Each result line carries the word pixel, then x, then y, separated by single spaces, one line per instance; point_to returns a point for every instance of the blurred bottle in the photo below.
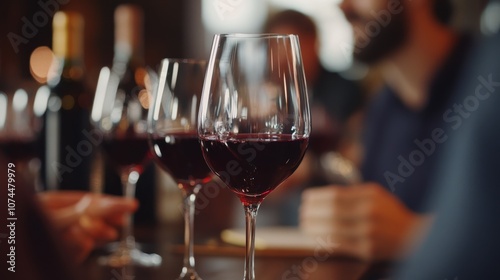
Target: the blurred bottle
pixel 135 82
pixel 68 143
pixel 128 60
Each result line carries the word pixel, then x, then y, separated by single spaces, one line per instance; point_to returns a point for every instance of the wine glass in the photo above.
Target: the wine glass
pixel 119 113
pixel 20 130
pixel 254 120
pixel 172 125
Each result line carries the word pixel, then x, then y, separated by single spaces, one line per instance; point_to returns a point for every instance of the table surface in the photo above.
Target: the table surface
pixel 216 260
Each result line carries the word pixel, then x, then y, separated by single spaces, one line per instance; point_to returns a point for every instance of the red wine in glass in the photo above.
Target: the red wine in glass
pixel 180 155
pixel 19 149
pixel 127 152
pixel 253 165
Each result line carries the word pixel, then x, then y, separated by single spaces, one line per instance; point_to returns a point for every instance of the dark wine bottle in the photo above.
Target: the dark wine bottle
pixel 68 142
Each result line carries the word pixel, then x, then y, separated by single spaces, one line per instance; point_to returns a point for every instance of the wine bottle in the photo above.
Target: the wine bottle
pixel 134 84
pixel 68 142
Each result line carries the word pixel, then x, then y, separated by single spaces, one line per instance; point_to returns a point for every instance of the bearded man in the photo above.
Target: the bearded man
pixel 405 129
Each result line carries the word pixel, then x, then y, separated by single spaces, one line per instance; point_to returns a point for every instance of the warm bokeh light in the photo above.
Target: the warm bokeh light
pixel 41 63
pixel 68 102
pixel 139 76
pixel 144 98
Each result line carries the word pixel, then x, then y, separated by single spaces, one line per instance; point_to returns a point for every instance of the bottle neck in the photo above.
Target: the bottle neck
pixel 67 69
pixel 67 45
pixel 129 51
pixel 127 58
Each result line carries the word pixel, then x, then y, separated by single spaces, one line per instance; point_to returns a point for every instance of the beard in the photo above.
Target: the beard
pixel 377 37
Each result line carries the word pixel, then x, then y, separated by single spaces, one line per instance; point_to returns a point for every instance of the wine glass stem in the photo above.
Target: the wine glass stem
pixel 189 208
pixel 250 216
pixel 129 181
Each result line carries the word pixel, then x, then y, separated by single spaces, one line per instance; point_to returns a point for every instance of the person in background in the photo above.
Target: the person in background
pixel 333 100
pixel 419 57
pixel 463 241
pixel 328 90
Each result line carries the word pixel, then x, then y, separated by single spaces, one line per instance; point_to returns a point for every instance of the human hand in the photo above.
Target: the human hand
pixel 365 221
pixel 86 220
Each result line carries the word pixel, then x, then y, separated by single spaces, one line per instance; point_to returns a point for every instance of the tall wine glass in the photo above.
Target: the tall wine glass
pixel 172 123
pixel 254 120
pixel 120 114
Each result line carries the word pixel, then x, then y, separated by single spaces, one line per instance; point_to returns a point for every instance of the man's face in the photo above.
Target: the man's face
pixel 380 27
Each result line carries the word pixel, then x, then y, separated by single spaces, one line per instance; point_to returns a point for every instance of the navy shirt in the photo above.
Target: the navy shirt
pixel 463 242
pixel 402 144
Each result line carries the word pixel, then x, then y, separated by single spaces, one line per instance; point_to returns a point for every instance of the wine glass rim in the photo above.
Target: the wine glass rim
pixel 185 60
pixel 256 35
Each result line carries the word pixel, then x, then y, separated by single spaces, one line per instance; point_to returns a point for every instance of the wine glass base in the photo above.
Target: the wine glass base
pixel 189 275
pixel 114 246
pixel 133 257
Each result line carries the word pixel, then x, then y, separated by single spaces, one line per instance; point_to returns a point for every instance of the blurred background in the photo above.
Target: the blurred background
pixel 179 29
pixel 182 29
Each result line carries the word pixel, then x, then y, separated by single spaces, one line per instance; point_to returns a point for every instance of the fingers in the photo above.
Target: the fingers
pixel 335 203
pixel 367 221
pixel 93 204
pixel 60 199
pixel 107 206
pixel 86 220
pixel 339 194
pixel 117 220
pixel 344 214
pixel 98 229
pixel 79 243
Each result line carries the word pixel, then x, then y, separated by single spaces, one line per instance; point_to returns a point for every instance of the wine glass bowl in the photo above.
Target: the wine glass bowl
pixel 254 120
pixel 20 130
pixel 120 114
pixel 172 125
pixel 173 121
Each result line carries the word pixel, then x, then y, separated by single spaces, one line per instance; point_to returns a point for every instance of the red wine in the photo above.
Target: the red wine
pixel 180 155
pixel 19 149
pixel 252 165
pixel 127 152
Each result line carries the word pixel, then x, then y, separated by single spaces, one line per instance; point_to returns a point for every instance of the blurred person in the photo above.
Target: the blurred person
pixel 419 58
pixel 85 220
pixel 333 98
pixel 29 246
pixel 54 231
pixel 333 101
pixel 328 90
pixel 463 241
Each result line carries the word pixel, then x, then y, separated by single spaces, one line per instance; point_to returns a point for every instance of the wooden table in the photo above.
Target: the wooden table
pixel 218 261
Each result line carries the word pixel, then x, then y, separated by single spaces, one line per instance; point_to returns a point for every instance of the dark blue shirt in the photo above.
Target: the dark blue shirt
pixel 402 144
